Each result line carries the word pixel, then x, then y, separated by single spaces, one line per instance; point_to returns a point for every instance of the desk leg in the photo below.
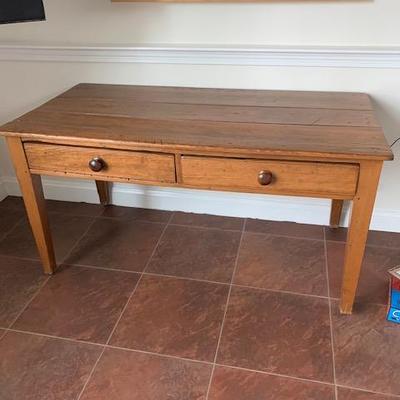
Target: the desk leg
pixel 32 192
pixel 103 189
pixel 363 204
pixel 336 213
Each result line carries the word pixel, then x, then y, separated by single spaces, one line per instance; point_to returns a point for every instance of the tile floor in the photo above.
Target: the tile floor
pixel 154 305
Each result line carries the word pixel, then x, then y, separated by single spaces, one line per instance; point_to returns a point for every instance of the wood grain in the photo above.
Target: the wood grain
pixel 241 97
pixel 103 190
pixel 255 123
pixel 361 213
pixel 318 144
pixel 336 213
pixel 31 188
pixel 294 178
pixel 211 112
pixel 73 161
pixel 218 137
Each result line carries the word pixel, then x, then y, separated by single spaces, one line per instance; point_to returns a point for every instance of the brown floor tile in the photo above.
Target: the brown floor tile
pixel 277 332
pixel 282 263
pixel 374 280
pixel 365 352
pixel 79 303
pixel 285 228
pixel 388 239
pixel 74 208
pixel 143 214
pixel 352 394
pixel 35 367
pixel 19 281
pixel 13 202
pixel 67 207
pixel 173 316
pixel 66 229
pixel 128 375
pixel 336 234
pixel 9 218
pixel 207 221
pixel 375 238
pixel 234 384
pixel 112 243
pixel 199 253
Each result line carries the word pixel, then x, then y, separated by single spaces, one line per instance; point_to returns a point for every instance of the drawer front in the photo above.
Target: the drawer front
pixel 270 176
pixel 114 164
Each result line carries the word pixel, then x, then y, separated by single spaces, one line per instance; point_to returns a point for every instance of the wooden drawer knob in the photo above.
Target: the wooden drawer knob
pixel 96 164
pixel 265 177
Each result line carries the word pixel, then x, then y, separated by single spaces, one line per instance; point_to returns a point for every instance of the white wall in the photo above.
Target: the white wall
pixel 277 22
pixel 77 23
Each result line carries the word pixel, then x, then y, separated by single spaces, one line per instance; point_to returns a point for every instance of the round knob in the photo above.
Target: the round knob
pixel 96 164
pixel 265 177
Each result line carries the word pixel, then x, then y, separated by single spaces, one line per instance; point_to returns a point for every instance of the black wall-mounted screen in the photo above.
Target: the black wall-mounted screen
pixel 21 11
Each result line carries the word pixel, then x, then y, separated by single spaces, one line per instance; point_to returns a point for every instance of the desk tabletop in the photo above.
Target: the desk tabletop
pixel 251 122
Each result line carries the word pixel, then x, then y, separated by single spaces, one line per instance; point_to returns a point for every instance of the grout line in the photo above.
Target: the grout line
pixel 193 360
pixel 187 278
pixel 324 227
pixel 285 236
pixel 91 373
pixel 281 291
pixel 159 354
pixel 128 219
pixel 29 301
pixel 330 315
pixel 12 229
pixel 3 334
pixel 225 311
pixel 103 268
pixel 122 312
pixel 169 223
pixel 231 284
pixel 78 241
pixel 366 245
pixel 276 374
pixel 107 346
pixel 158 243
pixel 244 225
pixel 205 281
pixel 108 340
pixel 191 279
pixel 22 258
pixel 80 341
pixel 394 396
pixel 206 227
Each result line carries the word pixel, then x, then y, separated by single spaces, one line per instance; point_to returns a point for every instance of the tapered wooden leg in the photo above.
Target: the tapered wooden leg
pixel 32 192
pixel 103 190
pixel 336 213
pixel 361 213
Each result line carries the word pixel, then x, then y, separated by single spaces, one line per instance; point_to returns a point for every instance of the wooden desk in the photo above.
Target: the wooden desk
pixel 272 142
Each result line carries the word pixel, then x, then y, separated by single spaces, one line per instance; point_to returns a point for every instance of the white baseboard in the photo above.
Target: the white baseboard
pixel 3 192
pixel 276 208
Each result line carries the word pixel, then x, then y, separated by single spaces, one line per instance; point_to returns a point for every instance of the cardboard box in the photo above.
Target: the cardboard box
pixel 394 295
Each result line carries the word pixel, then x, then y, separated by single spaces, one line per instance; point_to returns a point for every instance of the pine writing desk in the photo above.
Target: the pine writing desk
pixel 313 144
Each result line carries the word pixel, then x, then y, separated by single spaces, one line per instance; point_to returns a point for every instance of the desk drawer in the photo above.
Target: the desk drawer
pixel 270 176
pixel 107 164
